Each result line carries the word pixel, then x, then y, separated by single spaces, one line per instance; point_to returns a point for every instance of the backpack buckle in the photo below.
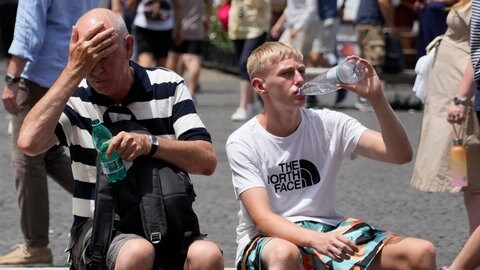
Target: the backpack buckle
pixel 155 237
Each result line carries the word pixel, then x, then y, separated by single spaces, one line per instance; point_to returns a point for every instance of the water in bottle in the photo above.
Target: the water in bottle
pixel 347 72
pixel 458 159
pixel 112 167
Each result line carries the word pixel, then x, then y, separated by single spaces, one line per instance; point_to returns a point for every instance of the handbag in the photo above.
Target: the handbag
pixel 422 69
pixel 222 15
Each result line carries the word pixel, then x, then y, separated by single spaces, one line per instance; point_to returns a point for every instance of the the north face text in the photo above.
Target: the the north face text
pixel 294 175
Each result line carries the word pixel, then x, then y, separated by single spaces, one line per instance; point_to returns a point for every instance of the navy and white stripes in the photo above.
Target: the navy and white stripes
pixel 475 39
pixel 160 102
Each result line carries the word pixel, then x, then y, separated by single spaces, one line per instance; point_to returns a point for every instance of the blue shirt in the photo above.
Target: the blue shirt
pixel 327 9
pixel 42 36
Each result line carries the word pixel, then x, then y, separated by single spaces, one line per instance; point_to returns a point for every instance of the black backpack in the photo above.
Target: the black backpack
pixel 154 201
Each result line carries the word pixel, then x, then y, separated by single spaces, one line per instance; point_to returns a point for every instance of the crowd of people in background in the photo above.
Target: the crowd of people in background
pixel 169 36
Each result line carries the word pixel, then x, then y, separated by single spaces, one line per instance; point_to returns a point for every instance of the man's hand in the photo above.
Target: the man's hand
pixel 129 145
pixel 9 97
pixel 87 50
pixel 369 86
pixel 335 246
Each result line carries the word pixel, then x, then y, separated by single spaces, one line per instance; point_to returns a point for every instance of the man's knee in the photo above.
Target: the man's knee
pixel 203 254
pixel 407 253
pixel 422 255
pixel 135 254
pixel 281 252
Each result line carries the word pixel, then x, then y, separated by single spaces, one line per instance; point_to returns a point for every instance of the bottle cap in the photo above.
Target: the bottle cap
pixel 458 141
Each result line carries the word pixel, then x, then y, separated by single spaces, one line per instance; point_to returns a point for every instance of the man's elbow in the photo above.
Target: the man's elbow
pixel 209 167
pixel 27 146
pixel 404 157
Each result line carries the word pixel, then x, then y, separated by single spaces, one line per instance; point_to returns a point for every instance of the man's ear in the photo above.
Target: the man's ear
pixel 128 43
pixel 258 85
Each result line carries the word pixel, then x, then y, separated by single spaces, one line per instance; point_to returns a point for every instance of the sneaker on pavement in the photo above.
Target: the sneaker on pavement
pixel 239 115
pixel 20 256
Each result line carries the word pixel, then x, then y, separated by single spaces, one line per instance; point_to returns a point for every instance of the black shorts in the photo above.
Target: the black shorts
pixel 155 42
pixel 7 25
pixel 189 46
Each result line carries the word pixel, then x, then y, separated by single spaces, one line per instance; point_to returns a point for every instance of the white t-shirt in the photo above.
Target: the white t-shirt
pixel 298 171
pixel 166 11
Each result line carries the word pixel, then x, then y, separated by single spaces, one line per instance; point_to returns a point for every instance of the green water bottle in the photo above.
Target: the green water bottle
pixel 112 167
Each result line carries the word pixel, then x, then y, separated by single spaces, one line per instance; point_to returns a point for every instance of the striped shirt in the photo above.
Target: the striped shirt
pixel 475 38
pixel 475 49
pixel 159 100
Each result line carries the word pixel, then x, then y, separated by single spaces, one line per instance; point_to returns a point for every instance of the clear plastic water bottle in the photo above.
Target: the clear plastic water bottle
pixel 346 72
pixel 112 167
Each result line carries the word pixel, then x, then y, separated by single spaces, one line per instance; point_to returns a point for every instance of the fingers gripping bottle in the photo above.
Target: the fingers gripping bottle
pixel 112 167
pixel 346 72
pixel 458 159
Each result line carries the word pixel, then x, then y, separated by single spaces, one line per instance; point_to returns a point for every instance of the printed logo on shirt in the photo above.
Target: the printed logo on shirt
pixel 294 175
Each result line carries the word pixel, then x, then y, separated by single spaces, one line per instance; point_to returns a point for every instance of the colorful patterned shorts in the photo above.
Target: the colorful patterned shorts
pixel 368 240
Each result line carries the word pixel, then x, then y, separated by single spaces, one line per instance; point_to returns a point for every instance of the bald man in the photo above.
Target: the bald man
pixel 99 75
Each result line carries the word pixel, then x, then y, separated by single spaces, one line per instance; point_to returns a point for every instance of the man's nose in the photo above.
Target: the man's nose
pixel 299 77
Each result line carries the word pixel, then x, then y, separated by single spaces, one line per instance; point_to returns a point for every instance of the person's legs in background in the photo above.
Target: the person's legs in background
pixel 247 106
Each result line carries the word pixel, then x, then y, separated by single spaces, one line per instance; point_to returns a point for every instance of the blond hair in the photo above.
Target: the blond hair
pixel 270 53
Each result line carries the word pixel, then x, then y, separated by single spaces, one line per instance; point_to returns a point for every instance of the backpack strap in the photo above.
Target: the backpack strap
pixel 152 207
pixel 102 223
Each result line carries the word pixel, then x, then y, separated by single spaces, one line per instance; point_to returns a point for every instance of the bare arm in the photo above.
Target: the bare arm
pixel 268 223
pixel 391 144
pixel 465 91
pixel 388 14
pixel 37 132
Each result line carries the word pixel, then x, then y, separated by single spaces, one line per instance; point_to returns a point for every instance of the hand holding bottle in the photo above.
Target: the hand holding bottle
pixel 369 85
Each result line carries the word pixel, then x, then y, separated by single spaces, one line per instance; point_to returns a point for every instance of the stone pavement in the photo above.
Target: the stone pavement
pixel 369 190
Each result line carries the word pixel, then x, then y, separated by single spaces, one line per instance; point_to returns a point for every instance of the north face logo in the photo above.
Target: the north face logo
pixel 294 175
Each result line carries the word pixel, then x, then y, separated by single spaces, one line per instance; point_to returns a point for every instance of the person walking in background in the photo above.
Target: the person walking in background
pixel 127 9
pixel 188 54
pixel 284 165
pixel 469 257
pixel 373 18
pixel 158 26
pixel 432 171
pixel 324 52
pixel 432 22
pixel 39 52
pixel 278 6
pixel 99 71
pixel 248 24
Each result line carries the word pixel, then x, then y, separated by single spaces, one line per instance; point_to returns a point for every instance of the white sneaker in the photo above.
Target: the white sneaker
pixel 239 115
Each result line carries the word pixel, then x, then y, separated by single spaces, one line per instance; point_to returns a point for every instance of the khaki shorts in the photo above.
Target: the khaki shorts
pixel 372 43
pixel 82 242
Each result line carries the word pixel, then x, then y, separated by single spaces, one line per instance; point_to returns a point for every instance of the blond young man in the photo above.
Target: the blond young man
pixel 284 163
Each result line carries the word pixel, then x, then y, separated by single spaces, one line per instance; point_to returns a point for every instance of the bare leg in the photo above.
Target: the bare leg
pixel 193 65
pixel 145 59
pixel 406 253
pixel 472 204
pixel 468 258
pixel 135 254
pixel 203 254
pixel 281 254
